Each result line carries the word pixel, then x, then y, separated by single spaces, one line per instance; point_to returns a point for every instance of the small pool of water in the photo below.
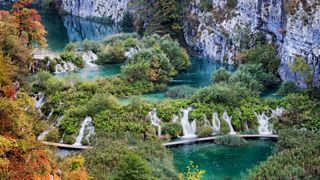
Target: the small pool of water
pixel 220 161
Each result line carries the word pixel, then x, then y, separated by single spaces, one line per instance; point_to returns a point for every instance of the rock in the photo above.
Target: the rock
pixel 96 8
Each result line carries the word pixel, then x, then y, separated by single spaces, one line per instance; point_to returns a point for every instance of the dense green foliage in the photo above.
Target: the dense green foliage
pixel 119 155
pixel 297 156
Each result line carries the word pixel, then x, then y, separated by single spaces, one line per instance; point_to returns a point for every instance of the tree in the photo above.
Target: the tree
pixel 29 24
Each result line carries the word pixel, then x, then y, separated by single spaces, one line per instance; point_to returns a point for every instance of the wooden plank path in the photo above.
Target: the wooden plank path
pixel 188 141
pixel 167 144
pixel 40 54
pixel 66 146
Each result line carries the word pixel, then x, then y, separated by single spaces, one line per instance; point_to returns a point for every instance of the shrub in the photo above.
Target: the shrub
pixel 127 20
pixel 133 167
pixel 100 102
pixel 222 75
pixel 297 156
pixel 222 93
pixel 224 127
pixel 288 87
pixel 206 5
pixel 173 129
pixel 230 140
pixel 231 4
pixel 149 64
pixel 182 91
pixel 53 135
pixel 263 54
pixel 112 54
pixel 89 45
pixel 204 131
pixel 71 57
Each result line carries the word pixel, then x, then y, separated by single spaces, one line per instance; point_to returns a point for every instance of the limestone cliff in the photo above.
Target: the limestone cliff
pixel 214 28
pixel 295 28
pixel 96 8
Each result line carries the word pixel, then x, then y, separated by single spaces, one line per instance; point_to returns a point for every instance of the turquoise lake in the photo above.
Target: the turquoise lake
pixel 223 162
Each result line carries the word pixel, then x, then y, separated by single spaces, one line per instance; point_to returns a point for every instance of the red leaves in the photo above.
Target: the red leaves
pixel 10 92
pixel 28 21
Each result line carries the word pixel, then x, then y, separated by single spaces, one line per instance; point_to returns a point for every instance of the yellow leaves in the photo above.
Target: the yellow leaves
pixel 193 173
pixel 73 168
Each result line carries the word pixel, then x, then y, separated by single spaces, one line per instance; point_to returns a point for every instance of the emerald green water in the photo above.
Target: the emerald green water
pixel 220 161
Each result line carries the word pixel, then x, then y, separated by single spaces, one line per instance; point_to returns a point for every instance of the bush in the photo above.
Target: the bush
pixel 149 64
pixel 204 131
pixel 53 135
pixel 231 4
pixel 183 91
pixel 263 54
pixel 222 75
pixel 288 87
pixel 173 129
pixel 71 57
pixel 297 156
pixel 226 94
pixel 111 54
pixel 127 20
pixel 100 102
pixel 89 45
pixel 230 140
pixel 133 167
pixel 224 127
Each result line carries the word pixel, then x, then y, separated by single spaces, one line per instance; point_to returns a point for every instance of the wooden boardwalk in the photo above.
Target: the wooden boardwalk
pixel 40 54
pixel 66 146
pixel 195 140
pixel 167 144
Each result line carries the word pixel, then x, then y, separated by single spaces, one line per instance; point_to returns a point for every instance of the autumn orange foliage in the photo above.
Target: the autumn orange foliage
pixel 29 22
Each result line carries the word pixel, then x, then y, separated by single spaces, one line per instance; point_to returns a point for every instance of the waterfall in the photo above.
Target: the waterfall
pixel 86 121
pixel 132 51
pixel 189 129
pixel 175 118
pixel 67 66
pixel 89 57
pixel 90 133
pixel 228 119
pixel 264 127
pixel 40 100
pixel 43 135
pixel 155 120
pixel 216 124
pixel 278 112
pixel 59 68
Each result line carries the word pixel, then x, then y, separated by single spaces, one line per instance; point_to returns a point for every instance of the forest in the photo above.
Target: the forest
pixel 120 120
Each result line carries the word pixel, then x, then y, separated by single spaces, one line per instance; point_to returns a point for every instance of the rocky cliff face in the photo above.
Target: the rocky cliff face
pixel 96 8
pixel 215 32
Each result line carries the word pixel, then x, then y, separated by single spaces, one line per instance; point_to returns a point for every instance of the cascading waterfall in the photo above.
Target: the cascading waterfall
pixel 67 66
pixel 86 122
pixel 40 100
pixel 216 124
pixel 132 51
pixel 89 57
pixel 90 133
pixel 228 119
pixel 155 120
pixel 278 112
pixel 43 135
pixel 264 127
pixel 189 129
